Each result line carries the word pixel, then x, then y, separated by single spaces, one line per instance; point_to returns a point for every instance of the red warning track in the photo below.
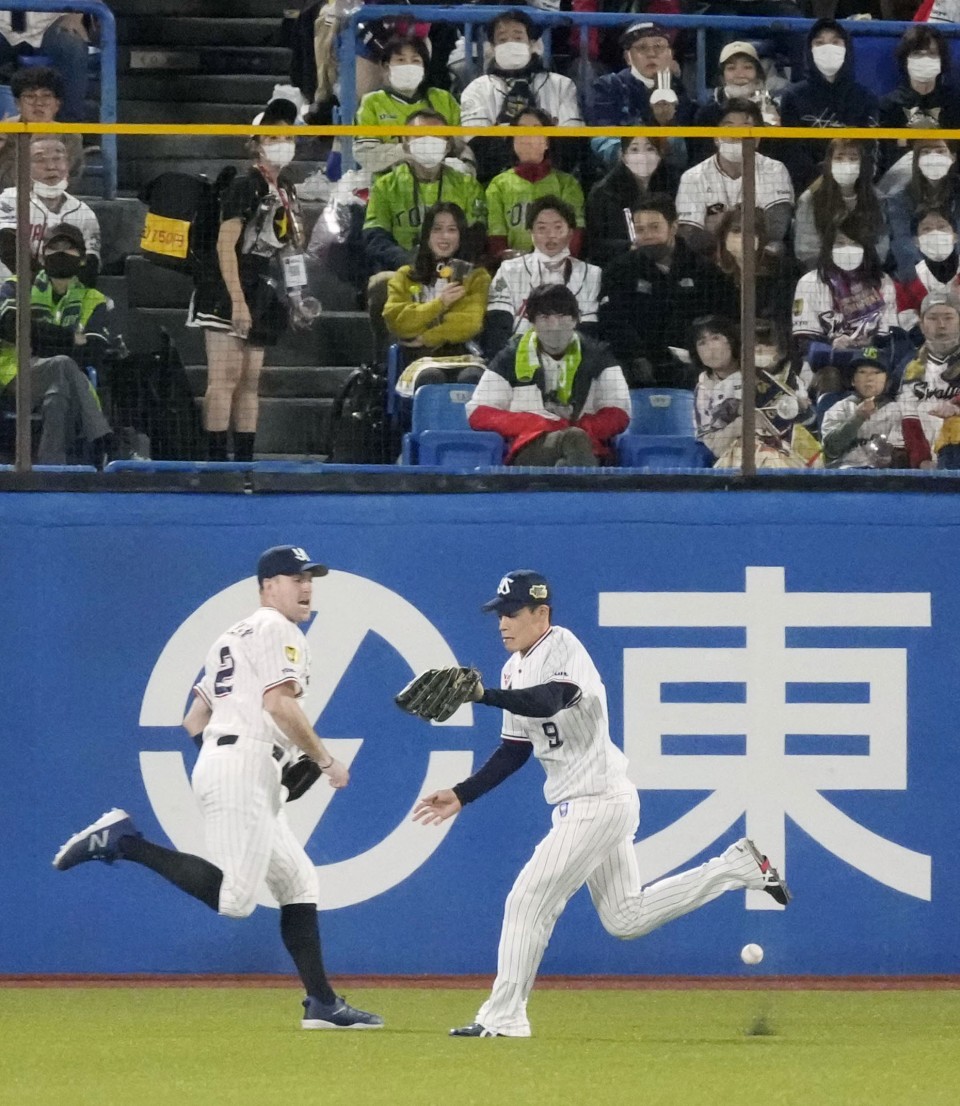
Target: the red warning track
pixel 556 982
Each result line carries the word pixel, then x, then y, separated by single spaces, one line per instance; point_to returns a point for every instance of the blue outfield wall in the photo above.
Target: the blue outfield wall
pixel 780 663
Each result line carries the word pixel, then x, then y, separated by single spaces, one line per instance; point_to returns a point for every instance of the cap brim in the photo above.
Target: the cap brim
pixel 503 606
pixel 315 569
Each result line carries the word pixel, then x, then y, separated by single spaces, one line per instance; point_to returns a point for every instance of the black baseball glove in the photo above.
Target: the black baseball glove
pixel 300 776
pixel 439 692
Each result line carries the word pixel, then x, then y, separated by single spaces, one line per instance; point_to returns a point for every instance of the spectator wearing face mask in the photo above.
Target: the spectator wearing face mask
pixel 556 396
pixel 847 302
pixel 718 395
pixel 237 301
pixel 828 96
pixel 68 328
pixel 844 188
pixel 50 204
pixel 400 198
pixel 405 91
pixel 647 92
pixel 552 225
pixel 510 194
pixel 715 186
pixel 933 184
pixel 514 81
pixel 741 77
pixel 638 173
pixel 38 92
pixel 937 269
pixel 924 97
pixel 650 295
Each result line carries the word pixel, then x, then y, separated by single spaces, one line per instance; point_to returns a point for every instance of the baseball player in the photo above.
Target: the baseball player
pixel 249 727
pixel 555 706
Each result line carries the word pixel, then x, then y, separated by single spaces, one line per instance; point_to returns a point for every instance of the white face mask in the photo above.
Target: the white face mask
pixel 764 359
pixel 923 68
pixel 845 172
pixel 512 55
pixel 555 332
pixel 50 191
pixel 642 163
pixel 847 258
pixel 406 78
pixel 555 261
pixel 279 153
pixel 740 91
pixel 428 152
pixel 937 244
pixel 731 151
pixel 829 58
pixel 934 166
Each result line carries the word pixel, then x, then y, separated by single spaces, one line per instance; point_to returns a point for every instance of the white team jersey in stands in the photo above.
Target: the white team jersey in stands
pixel 518 276
pixel 483 99
pixel 706 190
pixel 260 652
pixel 74 211
pixel 574 745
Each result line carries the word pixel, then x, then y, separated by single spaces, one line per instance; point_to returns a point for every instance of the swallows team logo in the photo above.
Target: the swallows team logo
pixel 350 608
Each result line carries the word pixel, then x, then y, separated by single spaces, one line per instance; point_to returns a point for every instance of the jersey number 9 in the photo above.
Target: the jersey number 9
pixel 551 732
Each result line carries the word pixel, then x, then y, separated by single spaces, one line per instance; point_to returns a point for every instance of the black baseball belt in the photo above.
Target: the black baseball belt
pixel 232 738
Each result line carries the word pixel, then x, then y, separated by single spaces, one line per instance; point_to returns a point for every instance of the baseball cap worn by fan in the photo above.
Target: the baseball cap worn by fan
pixel 287 560
pixel 734 48
pixel 518 589
pixel 278 113
pixel 636 31
pixel 939 299
pixel 65 232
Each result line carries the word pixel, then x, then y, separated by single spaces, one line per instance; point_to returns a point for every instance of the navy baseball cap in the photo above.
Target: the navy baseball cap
pixel 287 560
pixel 520 588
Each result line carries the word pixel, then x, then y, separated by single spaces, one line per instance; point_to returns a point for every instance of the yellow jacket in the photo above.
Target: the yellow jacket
pixel 406 317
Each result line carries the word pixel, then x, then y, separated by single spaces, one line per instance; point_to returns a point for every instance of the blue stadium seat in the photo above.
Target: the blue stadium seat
pixel 661 411
pixel 441 435
pixel 661 451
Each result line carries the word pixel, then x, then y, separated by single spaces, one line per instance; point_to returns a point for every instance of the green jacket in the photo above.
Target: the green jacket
pixel 509 196
pixel 54 322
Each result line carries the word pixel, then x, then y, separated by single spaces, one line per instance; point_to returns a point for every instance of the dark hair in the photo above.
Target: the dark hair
pixel 551 203
pixel 543 118
pixel 426 113
pixel 513 16
pixel 552 299
pixel 42 76
pixel 395 44
pixel 766 332
pixel 731 222
pixel 919 37
pixel 871 271
pixel 659 144
pixel 928 193
pixel 829 207
pixel 744 107
pixel 424 267
pixel 713 324
pixel 922 212
pixel 660 202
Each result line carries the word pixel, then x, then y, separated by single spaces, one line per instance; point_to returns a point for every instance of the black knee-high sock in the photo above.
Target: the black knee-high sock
pixel 243 445
pixel 193 874
pixel 301 935
pixel 217 445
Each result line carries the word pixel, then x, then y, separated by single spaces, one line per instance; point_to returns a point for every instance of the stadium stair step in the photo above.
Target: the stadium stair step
pixel 251 60
pixel 198 88
pixel 163 111
pixel 182 33
pixel 203 9
pixel 285 381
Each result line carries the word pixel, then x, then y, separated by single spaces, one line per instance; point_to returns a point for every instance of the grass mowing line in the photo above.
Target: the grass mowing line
pixel 186 1047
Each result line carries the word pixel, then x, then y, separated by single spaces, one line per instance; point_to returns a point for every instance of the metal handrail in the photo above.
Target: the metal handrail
pixel 108 69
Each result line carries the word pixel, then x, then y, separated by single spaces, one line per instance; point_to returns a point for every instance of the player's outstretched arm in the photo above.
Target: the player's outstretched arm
pixel 433 809
pixel 281 704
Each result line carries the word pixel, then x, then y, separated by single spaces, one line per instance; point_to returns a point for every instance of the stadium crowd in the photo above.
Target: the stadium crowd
pixel 558 274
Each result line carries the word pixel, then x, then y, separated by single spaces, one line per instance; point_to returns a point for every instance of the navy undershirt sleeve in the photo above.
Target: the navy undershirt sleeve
pixel 542 701
pixel 507 758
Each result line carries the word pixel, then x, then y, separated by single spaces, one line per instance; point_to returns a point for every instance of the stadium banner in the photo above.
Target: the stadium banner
pixel 780 664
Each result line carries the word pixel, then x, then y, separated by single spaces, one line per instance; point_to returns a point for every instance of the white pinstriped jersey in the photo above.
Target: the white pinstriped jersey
pixel 259 653
pixel 574 745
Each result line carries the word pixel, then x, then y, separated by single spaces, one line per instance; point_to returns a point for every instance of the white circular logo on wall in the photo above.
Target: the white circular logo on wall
pixel 348 608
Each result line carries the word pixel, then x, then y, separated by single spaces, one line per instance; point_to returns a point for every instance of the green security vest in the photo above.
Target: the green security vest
pixel 73 309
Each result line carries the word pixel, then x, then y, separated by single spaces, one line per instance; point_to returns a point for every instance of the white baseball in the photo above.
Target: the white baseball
pixel 751 954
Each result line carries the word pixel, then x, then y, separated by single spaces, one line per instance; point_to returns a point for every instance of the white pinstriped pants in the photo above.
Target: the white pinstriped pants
pixel 592 842
pixel 247 833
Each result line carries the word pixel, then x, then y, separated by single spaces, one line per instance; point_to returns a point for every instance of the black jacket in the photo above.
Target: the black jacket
pixel 644 310
pixel 903 107
pixel 817 102
pixel 607 234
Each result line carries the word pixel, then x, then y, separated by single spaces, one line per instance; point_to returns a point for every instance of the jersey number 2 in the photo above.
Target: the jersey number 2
pixel 223 682
pixel 551 732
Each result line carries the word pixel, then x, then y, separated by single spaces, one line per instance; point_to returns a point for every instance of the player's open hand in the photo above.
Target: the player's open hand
pixel 436 808
pixel 338 774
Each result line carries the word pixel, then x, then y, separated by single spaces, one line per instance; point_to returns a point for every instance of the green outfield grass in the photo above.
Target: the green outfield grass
pixel 222 1046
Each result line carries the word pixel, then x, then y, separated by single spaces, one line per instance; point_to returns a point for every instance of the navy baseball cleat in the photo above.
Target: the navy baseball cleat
pixel 474 1029
pixel 336 1015
pixel 99 841
pixel 774 885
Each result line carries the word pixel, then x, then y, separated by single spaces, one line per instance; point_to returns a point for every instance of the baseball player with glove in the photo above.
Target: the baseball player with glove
pixel 555 707
pixel 257 751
